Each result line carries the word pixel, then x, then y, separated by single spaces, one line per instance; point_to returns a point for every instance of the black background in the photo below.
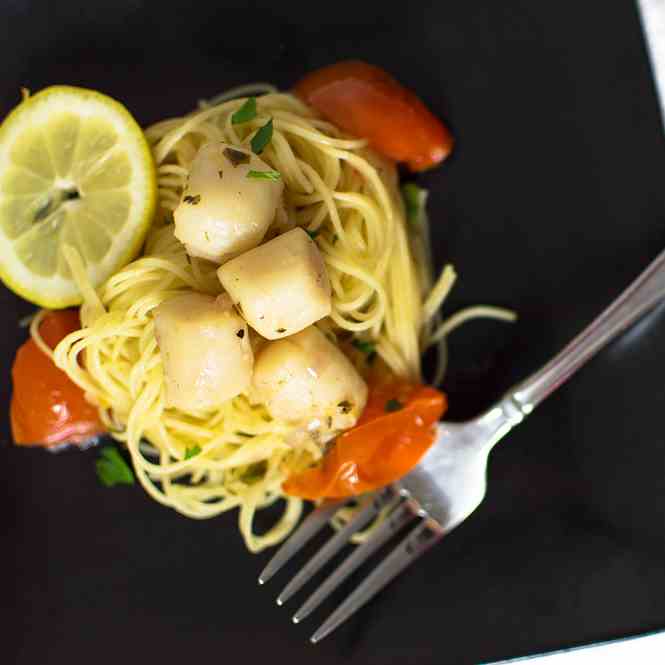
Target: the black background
pixel 553 201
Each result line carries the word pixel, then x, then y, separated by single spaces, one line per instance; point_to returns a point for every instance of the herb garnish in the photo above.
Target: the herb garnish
pixel 246 112
pixel 112 468
pixel 192 452
pixel 312 234
pixel 366 347
pixel 193 200
pixel 236 157
pixel 393 405
pixel 414 200
pixel 262 138
pixel 264 175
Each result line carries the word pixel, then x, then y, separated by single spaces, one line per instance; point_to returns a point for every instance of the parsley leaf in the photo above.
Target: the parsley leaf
pixel 192 452
pixel 264 175
pixel 393 405
pixel 312 234
pixel 246 112
pixel 364 346
pixel 262 138
pixel 415 199
pixel 112 468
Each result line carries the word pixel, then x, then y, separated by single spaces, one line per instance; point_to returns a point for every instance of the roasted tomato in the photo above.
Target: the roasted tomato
pixel 366 101
pixel 395 430
pixel 47 408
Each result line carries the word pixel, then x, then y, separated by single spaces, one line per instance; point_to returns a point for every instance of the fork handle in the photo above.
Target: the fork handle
pixel 641 296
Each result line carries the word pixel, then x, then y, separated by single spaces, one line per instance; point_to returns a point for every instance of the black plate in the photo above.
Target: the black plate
pixel 553 202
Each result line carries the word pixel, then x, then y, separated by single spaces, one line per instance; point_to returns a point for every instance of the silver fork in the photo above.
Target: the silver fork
pixel 450 481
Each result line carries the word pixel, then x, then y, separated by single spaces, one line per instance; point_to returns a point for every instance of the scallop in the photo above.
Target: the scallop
pixel 224 211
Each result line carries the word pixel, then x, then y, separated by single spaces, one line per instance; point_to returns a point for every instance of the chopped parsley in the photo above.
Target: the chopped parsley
pixel 366 347
pixel 264 175
pixel 415 199
pixel 393 405
pixel 192 452
pixel 262 138
pixel 312 234
pixel 236 157
pixel 112 468
pixel 245 113
pixel 245 434
pixel 192 200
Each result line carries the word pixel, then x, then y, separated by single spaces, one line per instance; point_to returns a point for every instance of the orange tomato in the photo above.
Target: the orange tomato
pixel 366 101
pixel 47 408
pixel 392 435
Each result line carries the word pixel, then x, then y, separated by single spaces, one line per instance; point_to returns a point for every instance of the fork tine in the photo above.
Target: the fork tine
pixel 416 543
pixel 369 508
pixel 313 523
pixel 400 517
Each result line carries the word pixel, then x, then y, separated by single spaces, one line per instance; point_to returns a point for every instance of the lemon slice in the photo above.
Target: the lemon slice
pixel 75 170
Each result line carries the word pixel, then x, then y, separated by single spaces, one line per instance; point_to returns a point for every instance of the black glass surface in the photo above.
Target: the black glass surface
pixel 553 201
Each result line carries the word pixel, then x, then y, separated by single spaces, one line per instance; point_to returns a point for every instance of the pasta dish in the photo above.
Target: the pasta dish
pixel 263 340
